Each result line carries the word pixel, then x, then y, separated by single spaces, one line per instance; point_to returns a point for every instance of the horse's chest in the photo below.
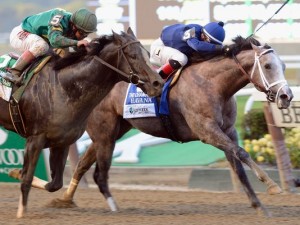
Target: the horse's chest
pixel 64 135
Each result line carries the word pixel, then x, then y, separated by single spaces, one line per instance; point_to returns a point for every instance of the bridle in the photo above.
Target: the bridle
pixel 132 77
pixel 271 96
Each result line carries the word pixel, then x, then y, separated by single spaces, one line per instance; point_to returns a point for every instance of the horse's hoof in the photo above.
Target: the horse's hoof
pixel 262 211
pixel 15 173
pixel 61 203
pixel 297 182
pixel 112 204
pixel 274 189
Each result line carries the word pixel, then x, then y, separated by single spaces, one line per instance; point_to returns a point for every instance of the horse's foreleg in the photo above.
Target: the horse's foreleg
pixel 58 158
pixel 272 187
pixel 33 149
pixel 239 170
pixel 215 136
pixel 104 158
pixel 241 174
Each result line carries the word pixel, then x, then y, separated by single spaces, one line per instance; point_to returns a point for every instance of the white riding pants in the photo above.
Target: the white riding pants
pixel 161 54
pixel 23 40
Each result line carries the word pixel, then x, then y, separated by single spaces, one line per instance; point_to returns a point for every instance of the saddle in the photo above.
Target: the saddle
pixel 175 77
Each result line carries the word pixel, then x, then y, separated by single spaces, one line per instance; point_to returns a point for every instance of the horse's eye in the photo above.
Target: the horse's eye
pixel 268 66
pixel 133 56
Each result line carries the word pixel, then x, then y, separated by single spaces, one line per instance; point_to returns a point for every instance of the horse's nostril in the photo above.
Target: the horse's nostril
pixel 156 84
pixel 283 96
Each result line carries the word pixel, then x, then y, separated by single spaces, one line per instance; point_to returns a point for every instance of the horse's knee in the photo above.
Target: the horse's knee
pixel 52 186
pixel 242 154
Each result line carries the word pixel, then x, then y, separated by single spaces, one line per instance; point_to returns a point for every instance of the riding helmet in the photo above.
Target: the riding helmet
pixel 84 20
pixel 215 32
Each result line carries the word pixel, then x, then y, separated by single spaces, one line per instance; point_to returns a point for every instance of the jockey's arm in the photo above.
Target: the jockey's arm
pixel 202 46
pixel 57 40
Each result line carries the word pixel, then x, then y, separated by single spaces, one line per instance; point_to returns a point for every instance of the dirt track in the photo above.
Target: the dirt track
pixel 151 207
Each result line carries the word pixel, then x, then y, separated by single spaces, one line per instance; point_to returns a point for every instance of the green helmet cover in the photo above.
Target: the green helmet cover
pixel 84 20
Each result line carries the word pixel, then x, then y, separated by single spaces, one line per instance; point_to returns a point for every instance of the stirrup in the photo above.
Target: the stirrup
pixel 17 80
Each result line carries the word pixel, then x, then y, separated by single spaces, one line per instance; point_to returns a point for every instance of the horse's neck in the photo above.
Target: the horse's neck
pixel 224 75
pixel 235 78
pixel 90 82
pixel 244 66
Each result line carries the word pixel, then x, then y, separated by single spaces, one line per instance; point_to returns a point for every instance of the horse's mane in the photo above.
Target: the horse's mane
pixel 239 44
pixel 96 45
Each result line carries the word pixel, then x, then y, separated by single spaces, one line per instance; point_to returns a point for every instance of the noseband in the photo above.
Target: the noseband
pixel 271 96
pixel 132 77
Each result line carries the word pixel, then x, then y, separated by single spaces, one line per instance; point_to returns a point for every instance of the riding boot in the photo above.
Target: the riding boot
pixel 13 75
pixel 166 70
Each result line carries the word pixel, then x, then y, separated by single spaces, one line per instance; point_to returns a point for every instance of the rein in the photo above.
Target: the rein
pixel 266 85
pixel 132 77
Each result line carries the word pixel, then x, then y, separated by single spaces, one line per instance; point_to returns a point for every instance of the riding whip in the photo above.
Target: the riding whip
pixel 270 18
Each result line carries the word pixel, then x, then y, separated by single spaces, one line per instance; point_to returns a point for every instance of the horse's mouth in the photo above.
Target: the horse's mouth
pixel 284 99
pixel 283 102
pixel 153 90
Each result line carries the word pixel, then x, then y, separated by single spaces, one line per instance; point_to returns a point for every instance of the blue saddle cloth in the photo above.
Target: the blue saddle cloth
pixel 137 104
pixel 164 104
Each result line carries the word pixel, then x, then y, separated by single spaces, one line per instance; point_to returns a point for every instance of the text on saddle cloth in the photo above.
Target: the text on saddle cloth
pixel 137 104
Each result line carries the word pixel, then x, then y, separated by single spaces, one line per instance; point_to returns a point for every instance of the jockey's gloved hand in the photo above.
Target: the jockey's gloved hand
pixel 226 50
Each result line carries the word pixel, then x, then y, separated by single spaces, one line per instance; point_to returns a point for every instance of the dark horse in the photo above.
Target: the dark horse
pixel 202 106
pixel 58 100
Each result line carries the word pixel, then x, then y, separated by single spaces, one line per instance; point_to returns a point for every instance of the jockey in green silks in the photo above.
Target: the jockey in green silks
pixel 55 28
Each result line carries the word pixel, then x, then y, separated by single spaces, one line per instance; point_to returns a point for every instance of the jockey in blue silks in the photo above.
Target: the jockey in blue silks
pixel 178 41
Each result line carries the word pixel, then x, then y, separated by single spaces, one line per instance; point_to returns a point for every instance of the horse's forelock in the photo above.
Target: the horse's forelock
pixel 97 44
pixel 123 38
pixel 240 44
pixel 266 46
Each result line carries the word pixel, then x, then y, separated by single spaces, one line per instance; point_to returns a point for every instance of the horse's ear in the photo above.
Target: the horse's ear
pixel 253 45
pixel 116 36
pixel 130 31
pixel 256 48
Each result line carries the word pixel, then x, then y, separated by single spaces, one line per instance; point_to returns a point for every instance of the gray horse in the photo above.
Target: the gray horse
pixel 202 106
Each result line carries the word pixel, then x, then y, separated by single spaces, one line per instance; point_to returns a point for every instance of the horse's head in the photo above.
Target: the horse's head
pixel 265 70
pixel 268 76
pixel 131 60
